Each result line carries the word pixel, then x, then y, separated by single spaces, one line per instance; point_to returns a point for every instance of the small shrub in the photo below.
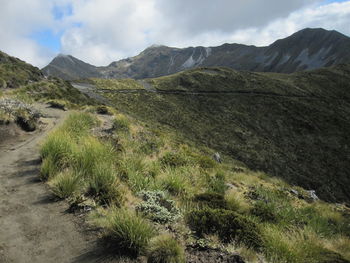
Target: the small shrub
pixel 266 211
pixel 165 249
pixel 102 109
pixel 130 232
pixel 57 104
pixel 211 200
pixel 173 159
pixel 205 162
pixel 217 183
pixel 227 224
pixel 65 184
pixel 157 208
pixel 27 123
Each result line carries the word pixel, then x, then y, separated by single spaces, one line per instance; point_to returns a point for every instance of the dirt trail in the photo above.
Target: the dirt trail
pixel 34 227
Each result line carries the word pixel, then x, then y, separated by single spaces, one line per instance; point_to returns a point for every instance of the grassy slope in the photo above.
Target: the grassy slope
pixel 291 126
pixel 186 191
pixel 14 72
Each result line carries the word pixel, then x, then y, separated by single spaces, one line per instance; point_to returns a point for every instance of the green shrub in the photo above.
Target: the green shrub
pixel 217 183
pixel 129 231
pixel 104 185
pixel 211 200
pixel 157 208
pixel 227 224
pixel 173 159
pixel 102 109
pixel 57 104
pixel 205 162
pixel 266 211
pixel 165 249
pixel 65 184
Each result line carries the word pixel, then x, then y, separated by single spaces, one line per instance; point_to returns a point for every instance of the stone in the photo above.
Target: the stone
pixel 217 157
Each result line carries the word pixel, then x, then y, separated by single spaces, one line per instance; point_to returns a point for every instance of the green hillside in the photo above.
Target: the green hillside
pixel 291 126
pixel 15 72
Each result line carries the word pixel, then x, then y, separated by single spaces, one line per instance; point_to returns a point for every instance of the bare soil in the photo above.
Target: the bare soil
pixel 34 227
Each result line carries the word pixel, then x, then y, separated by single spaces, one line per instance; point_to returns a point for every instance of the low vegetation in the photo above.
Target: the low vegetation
pixel 146 183
pixel 165 249
pixel 289 126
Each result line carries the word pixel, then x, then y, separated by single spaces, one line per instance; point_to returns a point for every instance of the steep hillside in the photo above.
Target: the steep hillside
pixel 291 126
pixel 306 49
pixel 15 72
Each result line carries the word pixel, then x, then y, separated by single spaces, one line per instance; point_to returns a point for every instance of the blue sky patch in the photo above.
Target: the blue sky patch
pixel 48 39
pixel 60 12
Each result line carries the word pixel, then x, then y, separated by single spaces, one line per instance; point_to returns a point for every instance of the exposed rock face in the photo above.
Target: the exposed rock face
pixel 306 49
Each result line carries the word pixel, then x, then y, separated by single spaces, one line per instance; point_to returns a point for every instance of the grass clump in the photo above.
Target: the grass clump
pixel 121 123
pixel 173 180
pixel 217 183
pixel 92 152
pixel 229 225
pixel 129 231
pixel 157 207
pixel 297 245
pixel 65 184
pixel 79 124
pixel 105 186
pixel 174 159
pixel 165 249
pixel 57 152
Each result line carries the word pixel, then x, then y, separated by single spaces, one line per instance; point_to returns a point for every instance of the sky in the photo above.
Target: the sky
pixel 102 31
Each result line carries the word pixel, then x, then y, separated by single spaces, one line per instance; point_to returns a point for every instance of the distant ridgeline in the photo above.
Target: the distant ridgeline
pixel 306 49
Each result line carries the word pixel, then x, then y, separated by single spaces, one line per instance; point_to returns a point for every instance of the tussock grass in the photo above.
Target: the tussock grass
pixel 296 245
pixel 66 184
pixel 165 249
pixel 175 182
pixel 105 186
pixel 129 231
pixel 92 152
pixel 57 152
pixel 250 210
pixel 121 123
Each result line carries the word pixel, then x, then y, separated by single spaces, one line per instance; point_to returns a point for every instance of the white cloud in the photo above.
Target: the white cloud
pixel 102 31
pixel 18 20
pixel 335 16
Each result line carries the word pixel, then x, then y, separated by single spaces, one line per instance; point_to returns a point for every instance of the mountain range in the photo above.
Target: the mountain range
pixel 304 50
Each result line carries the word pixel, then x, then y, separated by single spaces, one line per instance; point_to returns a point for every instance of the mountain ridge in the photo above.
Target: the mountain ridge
pixel 306 49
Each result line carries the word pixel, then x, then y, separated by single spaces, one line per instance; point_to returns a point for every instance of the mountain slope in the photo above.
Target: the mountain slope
pixel 69 68
pixel 290 126
pixel 15 72
pixel 306 49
